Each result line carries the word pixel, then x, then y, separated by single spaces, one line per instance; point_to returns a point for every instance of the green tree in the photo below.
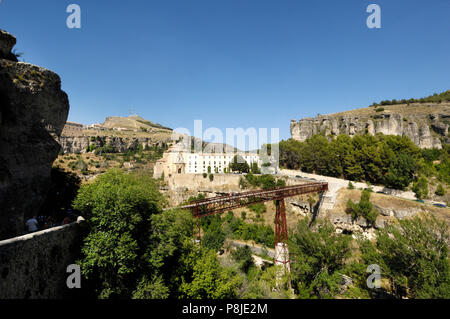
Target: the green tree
pixel 214 239
pixel 239 165
pixel 267 284
pixel 317 259
pixel 255 169
pixel 420 188
pixel 132 247
pixel 210 280
pixel 362 209
pixel 243 256
pixel 413 255
pixel 440 191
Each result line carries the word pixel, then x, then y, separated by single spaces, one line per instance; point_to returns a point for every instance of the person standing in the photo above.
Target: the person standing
pixel 32 224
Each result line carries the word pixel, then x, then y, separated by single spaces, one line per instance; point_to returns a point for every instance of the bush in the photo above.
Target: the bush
pixel 129 236
pixel 213 239
pixel 350 185
pixel 239 165
pixel 211 177
pixel 362 209
pixel 243 255
pixel 420 188
pixel 413 256
pixel 205 175
pixel 259 208
pixel 91 148
pixel 440 191
pixel 317 259
pixel 380 109
pixel 264 181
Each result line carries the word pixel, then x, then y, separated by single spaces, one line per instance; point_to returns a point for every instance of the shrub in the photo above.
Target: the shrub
pixel 259 208
pixel 214 239
pixel 362 209
pixel 211 177
pixel 440 191
pixel 413 256
pixel 380 109
pixel 91 148
pixel 243 255
pixel 318 257
pixel 420 188
pixel 239 165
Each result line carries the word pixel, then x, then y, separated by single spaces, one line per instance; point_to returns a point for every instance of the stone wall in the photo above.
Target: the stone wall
pixel 183 186
pixel 72 129
pixel 221 182
pixel 34 266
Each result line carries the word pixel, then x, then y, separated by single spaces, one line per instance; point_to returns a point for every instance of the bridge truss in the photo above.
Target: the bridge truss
pixel 216 205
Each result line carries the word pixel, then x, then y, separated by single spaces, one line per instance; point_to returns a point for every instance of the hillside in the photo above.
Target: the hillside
pixel 426 124
pixel 120 133
pixel 133 122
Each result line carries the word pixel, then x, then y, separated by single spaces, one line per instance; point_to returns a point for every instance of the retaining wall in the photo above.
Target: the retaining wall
pixel 34 266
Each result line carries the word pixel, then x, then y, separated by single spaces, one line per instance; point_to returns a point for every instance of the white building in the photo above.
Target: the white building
pixel 183 162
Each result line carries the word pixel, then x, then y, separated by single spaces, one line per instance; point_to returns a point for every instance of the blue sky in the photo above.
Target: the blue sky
pixel 233 63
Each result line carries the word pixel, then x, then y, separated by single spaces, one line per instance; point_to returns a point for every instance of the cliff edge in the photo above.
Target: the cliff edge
pixel 425 124
pixel 33 111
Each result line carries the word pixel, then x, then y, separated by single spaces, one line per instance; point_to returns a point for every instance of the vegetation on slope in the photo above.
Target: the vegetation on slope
pixel 387 160
pixel 135 250
pixel 435 98
pixel 100 159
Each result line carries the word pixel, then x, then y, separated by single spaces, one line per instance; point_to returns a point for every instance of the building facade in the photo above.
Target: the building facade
pixel 72 129
pixel 183 162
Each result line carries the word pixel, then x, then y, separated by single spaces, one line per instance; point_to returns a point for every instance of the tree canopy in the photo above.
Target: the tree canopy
pixel 383 159
pixel 134 250
pixel 413 256
pixel 239 165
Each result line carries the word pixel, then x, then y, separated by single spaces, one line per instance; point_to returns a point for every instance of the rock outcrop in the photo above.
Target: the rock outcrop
pixel 33 110
pixel 7 42
pixel 79 144
pixel 425 130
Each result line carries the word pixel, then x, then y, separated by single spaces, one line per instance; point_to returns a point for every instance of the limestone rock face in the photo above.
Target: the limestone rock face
pixel 33 111
pixel 79 144
pixel 425 130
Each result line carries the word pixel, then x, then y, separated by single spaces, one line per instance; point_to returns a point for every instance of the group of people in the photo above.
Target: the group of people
pixel 36 223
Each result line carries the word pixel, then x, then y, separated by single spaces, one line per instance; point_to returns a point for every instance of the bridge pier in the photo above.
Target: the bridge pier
pixel 281 236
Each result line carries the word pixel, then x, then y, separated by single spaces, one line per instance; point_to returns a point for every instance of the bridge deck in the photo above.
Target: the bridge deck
pixel 219 204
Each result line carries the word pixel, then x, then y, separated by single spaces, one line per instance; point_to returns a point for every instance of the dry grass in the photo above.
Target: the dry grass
pixel 404 109
pixel 292 218
pixel 388 202
pixel 97 164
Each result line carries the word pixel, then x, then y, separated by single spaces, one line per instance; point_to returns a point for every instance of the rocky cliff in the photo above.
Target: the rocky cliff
pixel 79 144
pixel 425 124
pixel 33 110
